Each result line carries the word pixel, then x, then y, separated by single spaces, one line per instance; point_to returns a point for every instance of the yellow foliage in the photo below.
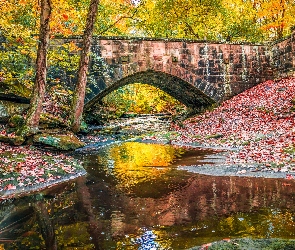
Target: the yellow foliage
pixel 141 99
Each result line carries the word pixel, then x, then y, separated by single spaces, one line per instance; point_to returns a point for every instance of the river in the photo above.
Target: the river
pixel 135 196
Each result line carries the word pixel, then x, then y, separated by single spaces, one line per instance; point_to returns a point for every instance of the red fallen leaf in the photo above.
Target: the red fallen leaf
pixel 10 187
pixel 3 132
pixel 11 134
pixel 65 16
pixel 289 177
pixel 206 246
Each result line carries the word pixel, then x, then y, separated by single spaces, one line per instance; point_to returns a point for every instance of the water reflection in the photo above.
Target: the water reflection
pixel 135 203
pixel 132 163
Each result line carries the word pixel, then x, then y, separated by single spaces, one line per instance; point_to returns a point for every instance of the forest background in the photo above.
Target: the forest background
pixel 254 21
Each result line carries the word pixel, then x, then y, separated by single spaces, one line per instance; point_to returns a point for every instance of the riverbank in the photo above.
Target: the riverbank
pixel 259 124
pixel 25 169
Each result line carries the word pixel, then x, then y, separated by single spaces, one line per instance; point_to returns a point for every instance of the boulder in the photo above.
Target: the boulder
pixel 65 141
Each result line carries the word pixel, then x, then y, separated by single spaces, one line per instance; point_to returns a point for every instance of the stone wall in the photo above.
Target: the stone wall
pixel 283 57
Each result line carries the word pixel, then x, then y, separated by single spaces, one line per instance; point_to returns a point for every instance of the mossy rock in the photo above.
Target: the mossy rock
pixel 16 121
pixel 12 140
pixel 26 131
pixel 67 141
pixel 50 121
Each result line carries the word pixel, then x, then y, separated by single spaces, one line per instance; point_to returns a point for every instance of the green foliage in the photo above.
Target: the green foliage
pixel 23 16
pixel 63 63
pixel 171 135
pixel 16 69
pixel 24 131
pixel 84 127
pixel 18 23
pixel 290 150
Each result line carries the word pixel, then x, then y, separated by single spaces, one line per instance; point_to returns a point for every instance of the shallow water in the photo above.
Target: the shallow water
pixel 135 197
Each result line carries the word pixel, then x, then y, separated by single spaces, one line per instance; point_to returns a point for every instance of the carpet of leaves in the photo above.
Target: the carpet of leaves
pixel 24 166
pixel 259 123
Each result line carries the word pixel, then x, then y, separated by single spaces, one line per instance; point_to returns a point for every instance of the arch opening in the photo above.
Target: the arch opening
pixel 141 98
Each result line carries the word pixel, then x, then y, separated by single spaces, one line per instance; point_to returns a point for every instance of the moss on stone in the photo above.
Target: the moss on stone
pixel 50 121
pixel 67 141
pixel 12 140
pixel 25 131
pixel 16 121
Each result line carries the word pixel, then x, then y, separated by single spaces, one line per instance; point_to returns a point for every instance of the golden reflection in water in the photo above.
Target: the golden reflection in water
pixel 135 162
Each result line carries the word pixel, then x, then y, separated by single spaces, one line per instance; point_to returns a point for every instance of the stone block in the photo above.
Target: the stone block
pixel 211 63
pixel 201 63
pixel 203 50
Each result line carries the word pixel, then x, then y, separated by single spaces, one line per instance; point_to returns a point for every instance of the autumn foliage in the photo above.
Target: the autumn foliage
pixel 241 20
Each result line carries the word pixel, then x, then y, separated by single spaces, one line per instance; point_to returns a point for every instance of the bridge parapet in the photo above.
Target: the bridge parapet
pixel 215 70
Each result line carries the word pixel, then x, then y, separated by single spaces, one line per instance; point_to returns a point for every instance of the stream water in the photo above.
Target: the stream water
pixel 136 197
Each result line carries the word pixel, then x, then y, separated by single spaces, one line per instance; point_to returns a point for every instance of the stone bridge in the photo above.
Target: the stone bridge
pixel 197 73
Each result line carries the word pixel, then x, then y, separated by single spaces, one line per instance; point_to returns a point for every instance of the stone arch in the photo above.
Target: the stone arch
pixel 181 90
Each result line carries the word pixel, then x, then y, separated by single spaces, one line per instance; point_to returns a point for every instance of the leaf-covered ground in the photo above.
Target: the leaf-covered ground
pixel 258 122
pixel 24 167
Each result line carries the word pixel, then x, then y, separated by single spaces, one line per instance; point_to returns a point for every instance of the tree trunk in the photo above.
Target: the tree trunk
pixel 33 117
pixel 79 93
